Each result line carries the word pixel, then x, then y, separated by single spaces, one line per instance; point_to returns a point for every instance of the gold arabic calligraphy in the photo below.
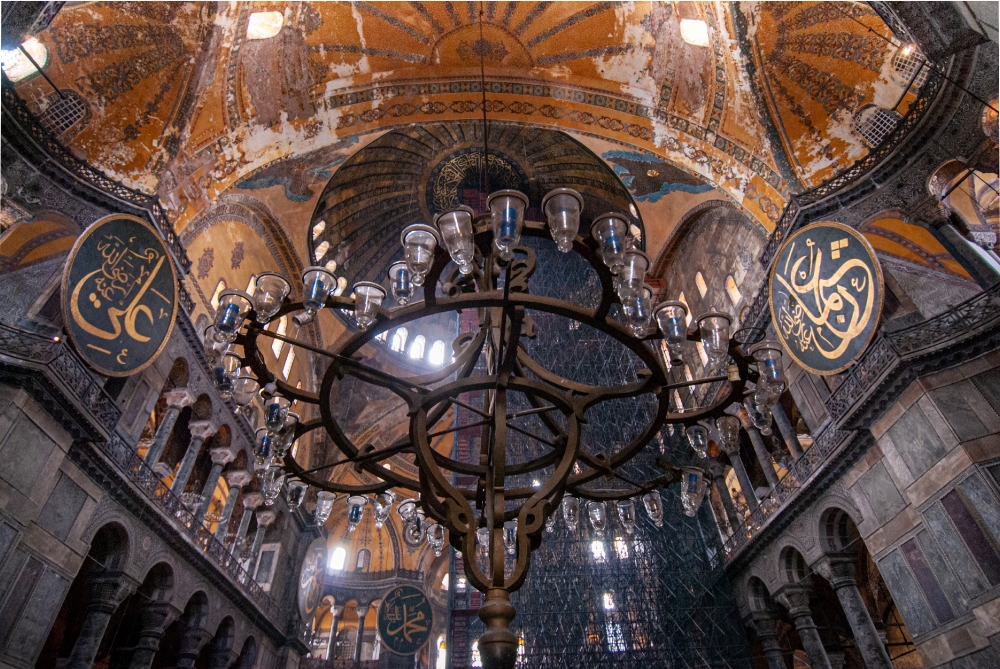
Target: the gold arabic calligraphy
pixel 820 314
pixel 121 282
pixel 407 625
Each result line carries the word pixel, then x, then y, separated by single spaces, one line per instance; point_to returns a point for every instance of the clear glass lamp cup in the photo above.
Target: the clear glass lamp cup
pixel 692 489
pixel 271 482
pixel 286 437
pixel 457 233
pixel 729 433
pixel 407 509
pixel 435 538
pixel 295 492
pixel 510 537
pixel 400 283
pixel 233 308
pixel 598 514
pixel 714 327
pixel 571 511
pixel 382 506
pixel 626 514
pixel 610 231
pixel 562 208
pixel 697 436
pixel 770 367
pixel 639 312
pixel 226 371
pixel 269 292
pixel 672 319
pixel 507 212
pixel 275 412
pixel 654 507
pixel 324 506
pixel 263 449
pixel 244 390
pixel 632 275
pixel 368 298
pixel 355 511
pixel 419 243
pixel 317 284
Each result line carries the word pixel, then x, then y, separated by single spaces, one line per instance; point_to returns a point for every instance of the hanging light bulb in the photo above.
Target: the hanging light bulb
pixel 510 536
pixel 269 292
pixel 399 280
pixel 324 506
pixel 457 233
pixel 626 514
pixel 698 438
pixel 654 507
pixel 419 243
pixel 571 511
pixel 507 211
pixel 692 489
pixel 609 230
pixel 355 511
pixel 598 513
pixel 382 505
pixel 562 208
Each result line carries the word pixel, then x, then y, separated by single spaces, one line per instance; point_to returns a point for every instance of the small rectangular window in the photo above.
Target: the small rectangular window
pixel 277 344
pixel 286 369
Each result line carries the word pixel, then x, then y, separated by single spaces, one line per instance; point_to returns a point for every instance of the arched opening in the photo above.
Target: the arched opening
pixel 184 634
pixel 248 655
pixel 417 347
pixel 399 340
pixel 217 652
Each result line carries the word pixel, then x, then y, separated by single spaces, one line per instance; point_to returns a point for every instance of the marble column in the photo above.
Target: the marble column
pixel 251 500
pixel 176 399
pixel 745 485
pixel 362 613
pixel 154 619
pixel 766 463
pixel 200 431
pixel 786 430
pixel 192 641
pixel 721 519
pixel 220 458
pixel 839 571
pixel 796 599
pixel 264 519
pixel 236 478
pixel 336 612
pixel 763 624
pixel 107 591
pixel 735 521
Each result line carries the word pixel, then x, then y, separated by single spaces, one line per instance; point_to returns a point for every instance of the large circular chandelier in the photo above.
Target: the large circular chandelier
pixel 482 264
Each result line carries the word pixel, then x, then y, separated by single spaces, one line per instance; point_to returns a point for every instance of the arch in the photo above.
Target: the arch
pixel 792 566
pixel 436 356
pixel 202 408
pixel 838 531
pixel 688 221
pixel 417 347
pixel 758 596
pixel 196 610
pixel 158 584
pixel 179 374
pixel 248 654
pixel 110 546
pixel 399 340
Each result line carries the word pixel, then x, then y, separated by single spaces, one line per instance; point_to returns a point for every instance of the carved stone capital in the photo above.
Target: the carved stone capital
pixel 202 429
pixel 222 455
pixel 266 517
pixel 838 570
pixel 110 589
pixel 251 500
pixel 179 397
pixel 238 477
pixel 795 598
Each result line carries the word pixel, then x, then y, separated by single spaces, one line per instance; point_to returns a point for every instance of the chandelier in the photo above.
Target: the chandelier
pixel 482 263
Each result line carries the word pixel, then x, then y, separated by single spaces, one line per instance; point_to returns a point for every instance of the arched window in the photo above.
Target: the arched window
pixel 905 63
pixel 699 280
pixel 252 285
pixel 873 124
pixel 338 558
pixel 17 67
pixel 277 344
pixel 442 654
pixel 219 287
pixel 263 25
pixel 286 369
pixel 321 250
pixel 475 659
pixel 64 111
pixel 341 287
pixel 399 340
pixel 417 348
pixel 436 356
pixel 364 560
pixel 445 582
pixel 733 290
pixel 680 298
pixel 318 229
pixel 597 551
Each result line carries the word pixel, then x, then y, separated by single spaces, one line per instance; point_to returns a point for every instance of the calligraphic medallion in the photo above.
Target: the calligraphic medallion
pixel 311 579
pixel 826 296
pixel 404 620
pixel 119 295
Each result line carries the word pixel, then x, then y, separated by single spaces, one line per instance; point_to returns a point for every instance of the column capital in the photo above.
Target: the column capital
pixel 179 397
pixel 110 589
pixel 222 455
pixel 837 569
pixel 716 470
pixel 795 598
pixel 238 477
pixel 251 500
pixel 266 517
pixel 202 429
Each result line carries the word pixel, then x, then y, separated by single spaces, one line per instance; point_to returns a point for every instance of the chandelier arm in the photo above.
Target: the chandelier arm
pixel 366 457
pixel 495 505
pixel 529 434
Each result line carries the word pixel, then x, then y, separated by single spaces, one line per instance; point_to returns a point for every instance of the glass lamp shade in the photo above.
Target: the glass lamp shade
pixel 368 298
pixel 245 389
pixel 382 506
pixel 419 243
pixel 233 307
pixel 324 506
pixel 639 312
pixel 507 211
pixel 714 327
pixel 610 230
pixel 295 492
pixel 562 208
pixel 270 291
pixel 415 530
pixel 407 509
pixel 654 507
pixel 457 234
pixel 571 511
pixel 626 514
pixel 226 371
pixel 400 283
pixel 216 345
pixel 598 514
pixel 632 274
pixel 435 538
pixel 275 412
pixel 510 537
pixel 317 283
pixel 270 486
pixel 760 414
pixel 772 372
pixel 672 319
pixel 729 433
pixel 692 490
pixel 286 437
pixel 482 544
pixel 550 523
pixel 263 449
pixel 355 511
pixel 698 438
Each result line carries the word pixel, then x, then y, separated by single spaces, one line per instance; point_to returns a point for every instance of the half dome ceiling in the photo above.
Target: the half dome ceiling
pixel 178 98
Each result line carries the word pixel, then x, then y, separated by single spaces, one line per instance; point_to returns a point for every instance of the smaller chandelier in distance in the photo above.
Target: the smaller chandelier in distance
pixel 469 262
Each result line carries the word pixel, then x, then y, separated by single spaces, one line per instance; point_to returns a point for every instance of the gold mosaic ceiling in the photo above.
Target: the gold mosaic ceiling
pixel 180 99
